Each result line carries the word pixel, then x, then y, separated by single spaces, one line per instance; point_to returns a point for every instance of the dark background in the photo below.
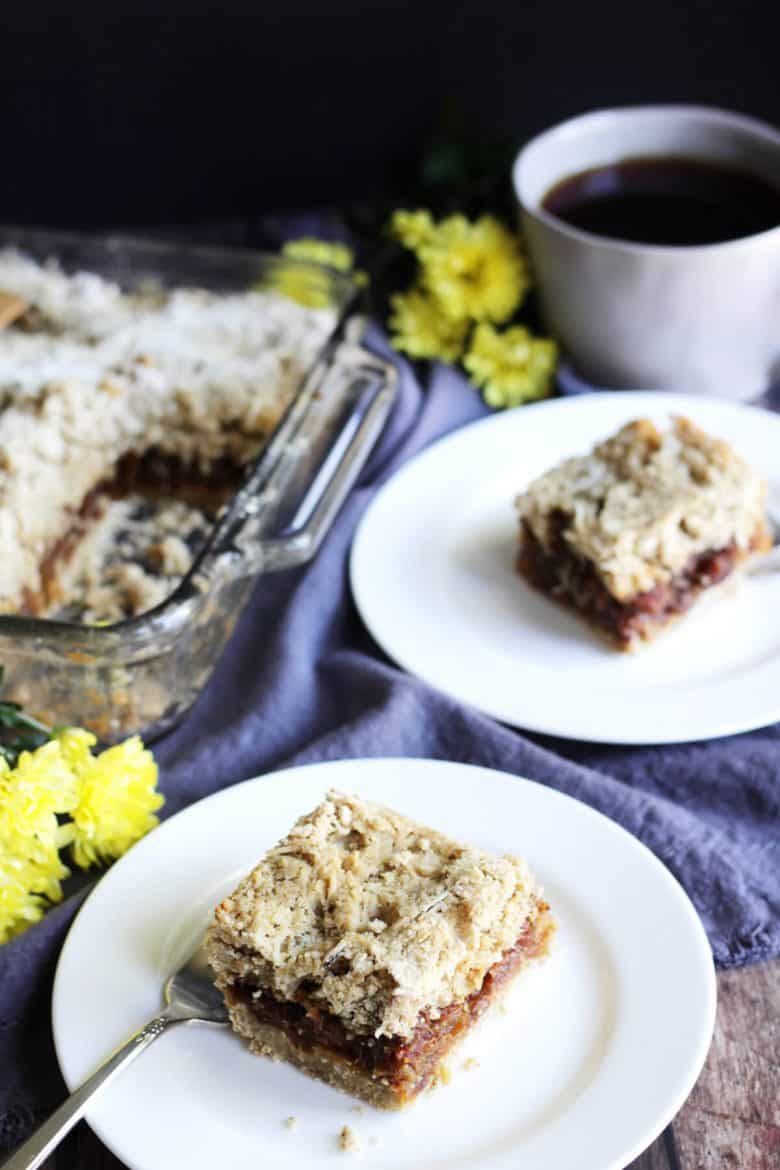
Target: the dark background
pixel 140 113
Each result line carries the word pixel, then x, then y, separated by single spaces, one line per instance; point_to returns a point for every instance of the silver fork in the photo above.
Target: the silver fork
pixel 189 996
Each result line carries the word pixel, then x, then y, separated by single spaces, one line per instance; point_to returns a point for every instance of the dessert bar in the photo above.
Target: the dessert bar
pixel 630 535
pixel 363 946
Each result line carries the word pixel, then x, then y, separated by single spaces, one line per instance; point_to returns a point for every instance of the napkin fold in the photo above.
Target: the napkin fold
pixel 302 681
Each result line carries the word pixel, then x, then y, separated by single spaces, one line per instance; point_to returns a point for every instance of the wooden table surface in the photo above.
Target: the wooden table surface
pixel 731 1121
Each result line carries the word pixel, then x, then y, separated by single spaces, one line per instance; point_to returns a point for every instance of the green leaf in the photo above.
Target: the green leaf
pixel 32 733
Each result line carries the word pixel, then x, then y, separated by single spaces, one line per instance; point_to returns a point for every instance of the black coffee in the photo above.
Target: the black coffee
pixel 666 201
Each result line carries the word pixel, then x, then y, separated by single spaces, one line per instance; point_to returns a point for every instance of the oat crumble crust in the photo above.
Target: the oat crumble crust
pixel 381 917
pixel 643 503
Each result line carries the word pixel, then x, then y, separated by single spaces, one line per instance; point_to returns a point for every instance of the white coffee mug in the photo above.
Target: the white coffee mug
pixel 702 319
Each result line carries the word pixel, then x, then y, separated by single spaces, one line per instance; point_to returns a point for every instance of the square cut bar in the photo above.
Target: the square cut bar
pixel 363 946
pixel 631 534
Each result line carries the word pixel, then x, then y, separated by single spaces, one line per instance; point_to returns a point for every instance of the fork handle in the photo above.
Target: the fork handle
pixel 38 1147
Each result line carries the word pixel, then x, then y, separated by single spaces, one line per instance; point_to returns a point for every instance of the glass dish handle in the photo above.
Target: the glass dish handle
pixel 362 387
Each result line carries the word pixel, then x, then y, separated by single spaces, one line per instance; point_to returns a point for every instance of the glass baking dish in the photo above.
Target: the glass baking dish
pixel 143 674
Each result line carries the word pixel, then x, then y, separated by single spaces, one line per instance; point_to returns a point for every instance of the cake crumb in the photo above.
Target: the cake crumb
pixel 349 1142
pixel 444 1075
pixel 358 1108
pixel 291 1122
pixel 470 1063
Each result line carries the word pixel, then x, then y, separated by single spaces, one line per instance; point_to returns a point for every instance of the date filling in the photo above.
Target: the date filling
pixel 406 1064
pixel 559 573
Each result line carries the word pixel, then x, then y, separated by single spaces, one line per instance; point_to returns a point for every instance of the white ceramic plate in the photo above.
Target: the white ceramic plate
pixel 432 574
pixel 597 1050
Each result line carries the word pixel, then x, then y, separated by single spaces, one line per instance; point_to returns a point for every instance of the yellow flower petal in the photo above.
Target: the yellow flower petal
pixel 306 286
pixel 31 869
pixel 474 270
pixel 116 803
pixel 19 905
pixel 420 329
pixel 511 367
pixel 75 744
pixel 321 252
pixel 413 229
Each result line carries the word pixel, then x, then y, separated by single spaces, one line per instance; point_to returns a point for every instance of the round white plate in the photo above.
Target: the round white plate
pixel 597 1049
pixel 433 577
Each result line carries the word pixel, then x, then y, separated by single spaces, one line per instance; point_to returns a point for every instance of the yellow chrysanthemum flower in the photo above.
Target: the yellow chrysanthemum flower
pixel 321 252
pixel 60 795
pixel 413 229
pixel 116 797
pixel 420 329
pixel 474 270
pixel 20 905
pixel 306 285
pixel 511 367
pixel 31 869
pixel 31 795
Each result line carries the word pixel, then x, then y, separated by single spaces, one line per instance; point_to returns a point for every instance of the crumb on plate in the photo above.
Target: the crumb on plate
pixel 349 1142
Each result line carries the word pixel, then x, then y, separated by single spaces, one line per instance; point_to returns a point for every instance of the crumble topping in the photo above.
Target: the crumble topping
pixel 89 373
pixel 643 503
pixel 373 917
